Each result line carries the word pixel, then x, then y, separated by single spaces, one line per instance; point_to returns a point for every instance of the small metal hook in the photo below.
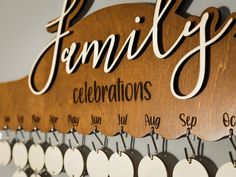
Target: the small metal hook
pixel 122 138
pixel 83 140
pixel 53 130
pixel 94 147
pixel 76 139
pixel 192 148
pixel 50 141
pixel 149 152
pixel 36 130
pixel 30 136
pixel 153 140
pixel 95 133
pixel 231 134
pixel 154 144
pixel 72 131
pixel 105 144
pixel 70 145
pixel 20 129
pixel 117 149
pixel 194 137
pixel 99 140
pixel 132 143
pixel 232 159
pixel 164 146
pixel 200 148
pixel 6 130
pixel 63 140
pixel 45 137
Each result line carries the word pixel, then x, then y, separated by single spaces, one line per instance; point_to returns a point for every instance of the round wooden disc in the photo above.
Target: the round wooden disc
pixel 148 167
pixel 19 174
pixel 97 164
pixel 54 160
pixel 184 169
pixel 120 165
pixel 35 175
pixel 5 153
pixel 20 155
pixel 36 157
pixel 227 170
pixel 73 163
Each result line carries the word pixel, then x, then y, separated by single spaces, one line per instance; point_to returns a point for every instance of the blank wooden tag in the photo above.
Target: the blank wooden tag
pixel 20 155
pixel 152 167
pixel 97 164
pixel 35 175
pixel 120 165
pixel 54 160
pixel 5 153
pixel 36 157
pixel 73 163
pixel 185 169
pixel 19 174
pixel 227 170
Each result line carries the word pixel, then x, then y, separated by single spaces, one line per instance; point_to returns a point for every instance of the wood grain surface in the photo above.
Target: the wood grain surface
pixel 210 114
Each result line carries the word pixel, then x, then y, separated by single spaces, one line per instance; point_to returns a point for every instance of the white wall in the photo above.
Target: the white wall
pixel 23 36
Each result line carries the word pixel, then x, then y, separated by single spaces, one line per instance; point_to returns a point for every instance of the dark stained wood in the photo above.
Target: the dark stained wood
pixel 216 98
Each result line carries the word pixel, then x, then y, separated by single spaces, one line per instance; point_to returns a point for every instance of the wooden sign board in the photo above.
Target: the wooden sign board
pixel 131 66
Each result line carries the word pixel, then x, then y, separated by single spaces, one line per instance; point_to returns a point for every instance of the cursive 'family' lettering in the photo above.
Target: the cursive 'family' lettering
pixel 109 47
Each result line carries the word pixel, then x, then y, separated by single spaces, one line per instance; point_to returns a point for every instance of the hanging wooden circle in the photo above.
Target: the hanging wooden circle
pixel 35 175
pixel 120 165
pixel 20 155
pixel 226 170
pixel 54 160
pixel 97 164
pixel 152 167
pixel 19 174
pixel 5 153
pixel 43 174
pixel 185 169
pixel 73 163
pixel 36 157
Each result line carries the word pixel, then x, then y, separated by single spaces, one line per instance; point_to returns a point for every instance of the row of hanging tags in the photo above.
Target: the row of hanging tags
pixel 49 157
